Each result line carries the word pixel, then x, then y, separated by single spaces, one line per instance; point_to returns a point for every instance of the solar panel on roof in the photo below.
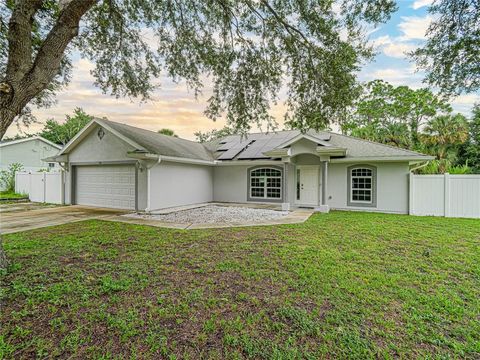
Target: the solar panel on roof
pixel 235 150
pixel 254 149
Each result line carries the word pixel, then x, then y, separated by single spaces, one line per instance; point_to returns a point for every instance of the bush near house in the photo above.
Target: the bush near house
pixel 342 285
pixel 7 177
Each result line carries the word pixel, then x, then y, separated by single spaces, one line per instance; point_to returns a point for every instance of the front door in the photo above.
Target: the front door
pixel 307 185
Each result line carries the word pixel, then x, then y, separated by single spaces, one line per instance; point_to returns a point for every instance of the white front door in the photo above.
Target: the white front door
pixel 307 185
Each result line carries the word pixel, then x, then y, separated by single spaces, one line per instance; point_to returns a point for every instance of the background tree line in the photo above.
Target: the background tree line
pixel 418 120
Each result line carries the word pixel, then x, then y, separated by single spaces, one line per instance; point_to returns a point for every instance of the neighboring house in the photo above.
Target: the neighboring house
pixel 120 166
pixel 29 152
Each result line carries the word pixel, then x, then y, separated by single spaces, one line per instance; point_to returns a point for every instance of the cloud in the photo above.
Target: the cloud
pixel 396 76
pixel 393 47
pixel 414 27
pixel 464 103
pixel 417 4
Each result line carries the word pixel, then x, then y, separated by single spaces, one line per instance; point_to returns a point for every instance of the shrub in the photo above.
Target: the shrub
pixel 7 177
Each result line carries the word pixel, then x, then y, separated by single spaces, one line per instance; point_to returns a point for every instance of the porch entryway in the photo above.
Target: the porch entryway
pixel 307 185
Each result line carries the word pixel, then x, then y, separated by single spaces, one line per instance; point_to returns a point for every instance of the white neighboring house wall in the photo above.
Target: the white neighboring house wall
pixel 175 184
pixel 40 186
pixel 29 152
pixel 445 195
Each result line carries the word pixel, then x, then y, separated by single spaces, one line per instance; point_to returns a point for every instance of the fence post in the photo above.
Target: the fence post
pixel 447 194
pixel 411 189
pixel 44 186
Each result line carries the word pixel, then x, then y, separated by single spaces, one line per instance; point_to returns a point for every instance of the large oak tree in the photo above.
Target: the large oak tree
pixel 249 49
pixel 451 54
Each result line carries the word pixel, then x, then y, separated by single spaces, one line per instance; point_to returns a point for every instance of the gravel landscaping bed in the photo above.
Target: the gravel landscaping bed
pixel 215 214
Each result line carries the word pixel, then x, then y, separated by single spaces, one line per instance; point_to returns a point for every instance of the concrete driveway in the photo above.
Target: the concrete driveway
pixel 33 217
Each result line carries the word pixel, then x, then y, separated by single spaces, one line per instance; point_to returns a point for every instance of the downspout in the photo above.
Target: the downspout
pixel 159 160
pixel 419 166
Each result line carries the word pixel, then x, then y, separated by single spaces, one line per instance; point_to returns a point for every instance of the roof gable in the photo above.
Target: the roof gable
pixel 301 136
pixel 88 129
pixel 14 142
pixel 145 141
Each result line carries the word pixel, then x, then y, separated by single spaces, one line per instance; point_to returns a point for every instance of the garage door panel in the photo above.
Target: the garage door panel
pixel 106 186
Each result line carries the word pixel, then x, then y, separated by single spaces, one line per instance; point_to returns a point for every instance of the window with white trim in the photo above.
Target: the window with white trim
pixel 361 190
pixel 265 183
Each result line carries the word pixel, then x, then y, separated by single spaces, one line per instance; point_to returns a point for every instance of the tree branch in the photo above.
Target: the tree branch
pixel 51 53
pixel 20 38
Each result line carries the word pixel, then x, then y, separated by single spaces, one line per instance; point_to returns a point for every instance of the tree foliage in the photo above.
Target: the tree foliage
pixel 417 120
pixel 392 114
pixel 214 134
pixel 470 150
pixel 7 176
pixel 451 55
pixel 248 49
pixel 64 132
pixel 443 136
pixel 168 132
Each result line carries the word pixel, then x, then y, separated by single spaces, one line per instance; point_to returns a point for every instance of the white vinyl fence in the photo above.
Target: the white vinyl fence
pixel 445 195
pixel 40 186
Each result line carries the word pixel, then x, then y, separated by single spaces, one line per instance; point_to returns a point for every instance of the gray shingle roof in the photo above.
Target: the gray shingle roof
pixel 356 148
pixel 364 148
pixel 258 143
pixel 161 144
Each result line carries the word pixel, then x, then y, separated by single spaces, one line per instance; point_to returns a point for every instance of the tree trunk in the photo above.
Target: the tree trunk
pixel 6 118
pixel 27 75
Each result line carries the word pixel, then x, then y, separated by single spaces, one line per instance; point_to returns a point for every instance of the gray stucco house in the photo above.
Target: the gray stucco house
pixel 115 165
pixel 30 152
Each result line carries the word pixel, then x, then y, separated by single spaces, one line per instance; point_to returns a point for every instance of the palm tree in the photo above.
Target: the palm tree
pixel 444 134
pixel 396 134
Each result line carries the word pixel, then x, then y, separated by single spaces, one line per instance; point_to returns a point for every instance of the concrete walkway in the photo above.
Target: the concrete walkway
pixel 35 217
pixel 38 217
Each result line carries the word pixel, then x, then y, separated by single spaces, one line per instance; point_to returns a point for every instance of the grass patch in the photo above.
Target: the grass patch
pixel 342 285
pixel 12 195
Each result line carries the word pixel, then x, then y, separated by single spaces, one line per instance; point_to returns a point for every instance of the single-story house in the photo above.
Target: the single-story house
pixel 29 152
pixel 109 164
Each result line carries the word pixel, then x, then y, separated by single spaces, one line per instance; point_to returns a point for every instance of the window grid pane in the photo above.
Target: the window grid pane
pixel 361 185
pixel 266 183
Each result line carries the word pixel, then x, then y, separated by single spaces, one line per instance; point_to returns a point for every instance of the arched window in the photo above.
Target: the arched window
pixel 265 183
pixel 362 185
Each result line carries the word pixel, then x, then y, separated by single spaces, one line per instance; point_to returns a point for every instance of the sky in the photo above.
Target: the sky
pixel 173 106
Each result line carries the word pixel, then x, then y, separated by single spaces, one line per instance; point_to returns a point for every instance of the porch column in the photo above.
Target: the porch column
pixel 324 206
pixel 285 203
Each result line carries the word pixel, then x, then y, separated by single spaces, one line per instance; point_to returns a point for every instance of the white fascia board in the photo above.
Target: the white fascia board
pixel 57 158
pixel 382 159
pixel 331 151
pixel 186 160
pixel 278 152
pixel 247 162
pixel 142 156
pixel 59 147
pixel 160 158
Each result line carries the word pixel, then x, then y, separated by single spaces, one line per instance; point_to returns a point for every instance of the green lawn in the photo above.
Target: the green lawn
pixel 12 195
pixel 342 285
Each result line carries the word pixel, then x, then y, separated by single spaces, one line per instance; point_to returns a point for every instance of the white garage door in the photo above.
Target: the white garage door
pixel 111 186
